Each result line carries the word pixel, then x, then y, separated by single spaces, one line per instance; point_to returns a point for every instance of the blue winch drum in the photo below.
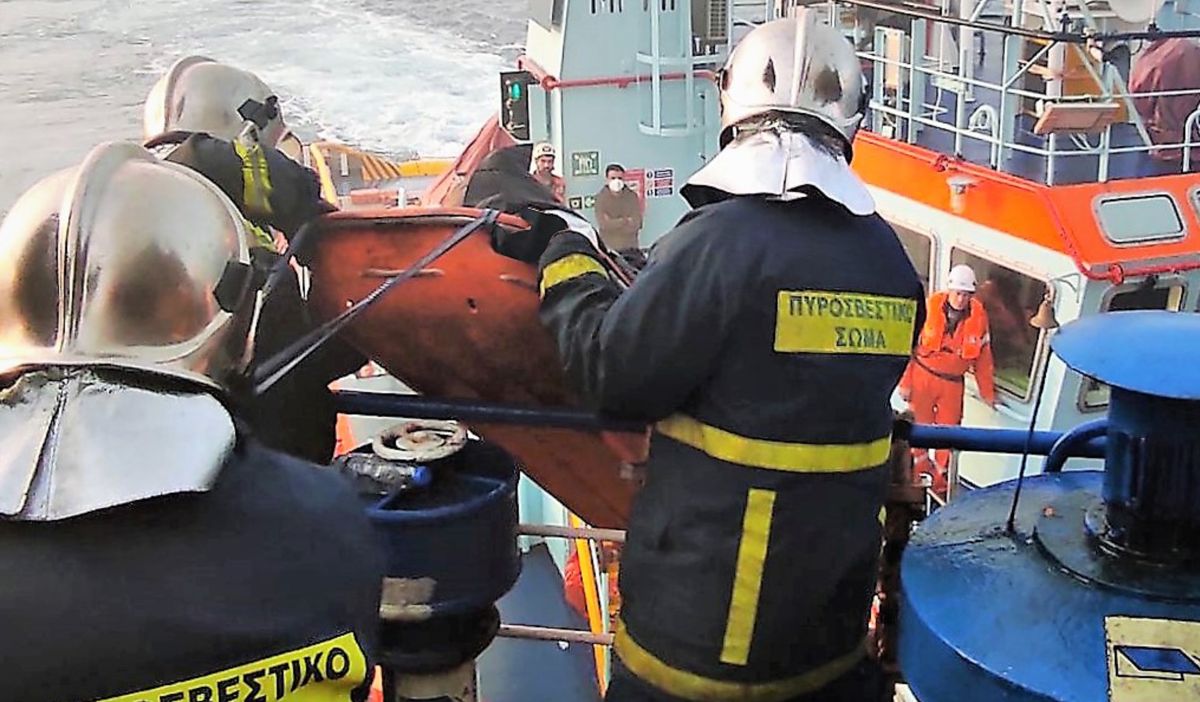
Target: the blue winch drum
pixel 1092 594
pixel 460 531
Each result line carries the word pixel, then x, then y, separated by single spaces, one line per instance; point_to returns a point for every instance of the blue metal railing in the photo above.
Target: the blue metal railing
pixel 380 404
pixel 1073 442
pixel 1085 441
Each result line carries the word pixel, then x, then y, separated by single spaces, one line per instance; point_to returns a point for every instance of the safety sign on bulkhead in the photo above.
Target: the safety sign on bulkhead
pixel 1152 660
pixel 585 163
pixel 660 182
pixel 581 202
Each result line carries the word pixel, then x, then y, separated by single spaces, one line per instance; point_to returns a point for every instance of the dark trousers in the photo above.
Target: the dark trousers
pixel 863 684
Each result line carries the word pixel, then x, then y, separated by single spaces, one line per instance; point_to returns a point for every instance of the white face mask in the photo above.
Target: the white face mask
pixel 616 184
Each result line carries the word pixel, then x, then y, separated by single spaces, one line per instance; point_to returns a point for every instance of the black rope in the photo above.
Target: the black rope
pixel 273 369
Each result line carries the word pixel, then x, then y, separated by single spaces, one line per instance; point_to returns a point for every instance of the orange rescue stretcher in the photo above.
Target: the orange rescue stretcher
pixel 467 328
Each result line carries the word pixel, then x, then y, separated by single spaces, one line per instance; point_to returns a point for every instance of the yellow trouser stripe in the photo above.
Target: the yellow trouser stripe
pixel 569 267
pixel 698 688
pixel 747 579
pixel 775 455
pixel 256 179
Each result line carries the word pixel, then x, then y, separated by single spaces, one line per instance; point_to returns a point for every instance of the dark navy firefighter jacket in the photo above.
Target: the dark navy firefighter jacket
pixel 263 589
pixel 763 340
pixel 297 415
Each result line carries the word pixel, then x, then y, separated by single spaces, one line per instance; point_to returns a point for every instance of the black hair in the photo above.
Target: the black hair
pixel 824 137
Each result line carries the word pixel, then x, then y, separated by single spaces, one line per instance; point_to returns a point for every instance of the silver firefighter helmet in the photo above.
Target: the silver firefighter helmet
pixel 794 66
pixel 198 94
pixel 126 307
pixel 797 65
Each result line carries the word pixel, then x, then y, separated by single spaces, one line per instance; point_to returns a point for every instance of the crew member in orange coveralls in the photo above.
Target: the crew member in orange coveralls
pixel 954 340
pixel 610 555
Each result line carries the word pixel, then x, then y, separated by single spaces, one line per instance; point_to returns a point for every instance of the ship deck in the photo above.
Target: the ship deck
pixel 521 670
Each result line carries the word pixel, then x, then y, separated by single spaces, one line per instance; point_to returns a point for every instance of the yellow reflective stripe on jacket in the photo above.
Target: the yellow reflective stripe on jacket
pixel 323 672
pixel 698 688
pixel 747 578
pixel 256 178
pixel 775 455
pixel 569 267
pixel 259 236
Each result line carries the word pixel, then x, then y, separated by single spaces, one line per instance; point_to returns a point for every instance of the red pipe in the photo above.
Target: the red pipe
pixel 550 82
pixel 1115 273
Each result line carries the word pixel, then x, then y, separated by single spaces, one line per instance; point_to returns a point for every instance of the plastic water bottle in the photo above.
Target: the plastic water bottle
pixel 379 476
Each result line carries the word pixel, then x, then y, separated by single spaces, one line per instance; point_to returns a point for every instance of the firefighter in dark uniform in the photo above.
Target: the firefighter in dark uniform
pixel 153 550
pixel 764 339
pixel 226 123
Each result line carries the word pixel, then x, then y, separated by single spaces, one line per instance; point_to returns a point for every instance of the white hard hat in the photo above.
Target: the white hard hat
pixel 198 94
pixel 795 65
pixel 961 279
pixel 544 148
pixel 131 262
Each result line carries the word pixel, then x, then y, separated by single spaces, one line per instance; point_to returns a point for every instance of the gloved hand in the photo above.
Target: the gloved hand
pixel 502 182
pixel 574 223
pixel 544 223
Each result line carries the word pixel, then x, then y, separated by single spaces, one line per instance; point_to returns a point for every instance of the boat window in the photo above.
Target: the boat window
pixel 1138 219
pixel 1011 299
pixel 919 248
pixel 1131 297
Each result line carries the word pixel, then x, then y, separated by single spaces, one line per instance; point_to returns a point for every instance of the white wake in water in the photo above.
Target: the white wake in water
pixel 343 71
pixel 394 76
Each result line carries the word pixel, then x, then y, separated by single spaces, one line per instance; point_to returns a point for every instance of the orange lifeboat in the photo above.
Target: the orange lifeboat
pixel 467 328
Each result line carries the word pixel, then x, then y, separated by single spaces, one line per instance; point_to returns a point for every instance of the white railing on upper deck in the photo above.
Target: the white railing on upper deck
pixel 987 97
pixel 752 11
pixel 1191 129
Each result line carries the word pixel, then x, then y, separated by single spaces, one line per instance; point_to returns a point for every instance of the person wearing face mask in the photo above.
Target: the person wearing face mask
pixel 619 213
pixel 955 339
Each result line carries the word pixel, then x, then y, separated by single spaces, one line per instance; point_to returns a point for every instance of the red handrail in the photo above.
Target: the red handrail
pixel 551 82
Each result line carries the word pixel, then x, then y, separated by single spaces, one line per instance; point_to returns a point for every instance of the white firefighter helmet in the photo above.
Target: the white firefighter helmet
pixel 125 307
pixel 544 148
pixel 794 65
pixel 961 279
pixel 198 94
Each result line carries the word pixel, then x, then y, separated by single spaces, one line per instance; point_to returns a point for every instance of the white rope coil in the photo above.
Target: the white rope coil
pixel 420 440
